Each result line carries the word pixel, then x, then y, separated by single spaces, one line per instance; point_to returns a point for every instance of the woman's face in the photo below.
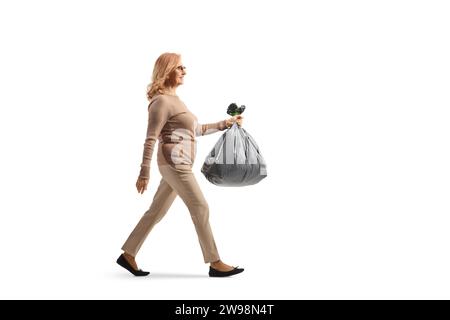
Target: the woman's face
pixel 180 72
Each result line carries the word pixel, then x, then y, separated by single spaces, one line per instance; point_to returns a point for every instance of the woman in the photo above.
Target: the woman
pixel 175 127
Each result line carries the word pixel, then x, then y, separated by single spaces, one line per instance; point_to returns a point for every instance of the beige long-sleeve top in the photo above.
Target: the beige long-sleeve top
pixel 175 127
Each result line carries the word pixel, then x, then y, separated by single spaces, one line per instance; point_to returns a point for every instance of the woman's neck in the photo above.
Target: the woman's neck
pixel 170 91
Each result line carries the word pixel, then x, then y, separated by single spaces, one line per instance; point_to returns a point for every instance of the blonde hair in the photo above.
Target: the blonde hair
pixel 163 74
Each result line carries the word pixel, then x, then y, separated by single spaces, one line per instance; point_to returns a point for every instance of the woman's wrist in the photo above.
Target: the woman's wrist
pixel 145 172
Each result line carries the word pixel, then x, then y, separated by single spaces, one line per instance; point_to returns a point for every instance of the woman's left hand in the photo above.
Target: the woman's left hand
pixel 233 119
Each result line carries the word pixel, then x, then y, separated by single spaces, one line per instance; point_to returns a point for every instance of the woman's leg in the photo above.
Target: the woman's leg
pixel 162 201
pixel 182 180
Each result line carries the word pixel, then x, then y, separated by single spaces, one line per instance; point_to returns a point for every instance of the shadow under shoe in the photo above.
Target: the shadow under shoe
pixel 121 261
pixel 216 273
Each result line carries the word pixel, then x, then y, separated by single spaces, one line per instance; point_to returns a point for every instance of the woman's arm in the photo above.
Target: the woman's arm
pixel 158 114
pixel 208 128
pixel 204 129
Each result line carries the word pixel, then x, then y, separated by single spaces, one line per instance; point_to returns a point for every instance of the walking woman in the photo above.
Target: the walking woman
pixel 175 127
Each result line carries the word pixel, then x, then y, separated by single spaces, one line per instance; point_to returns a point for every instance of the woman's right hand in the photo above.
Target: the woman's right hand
pixel 234 119
pixel 141 185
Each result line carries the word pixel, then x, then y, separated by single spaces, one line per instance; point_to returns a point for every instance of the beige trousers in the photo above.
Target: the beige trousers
pixel 176 180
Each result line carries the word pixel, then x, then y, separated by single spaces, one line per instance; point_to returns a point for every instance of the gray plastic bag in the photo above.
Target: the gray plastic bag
pixel 235 160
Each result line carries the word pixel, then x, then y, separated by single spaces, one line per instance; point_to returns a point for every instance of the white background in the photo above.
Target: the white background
pixel 347 100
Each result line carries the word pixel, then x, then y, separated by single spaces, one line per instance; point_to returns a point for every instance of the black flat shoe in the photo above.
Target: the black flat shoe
pixel 216 273
pixel 121 261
